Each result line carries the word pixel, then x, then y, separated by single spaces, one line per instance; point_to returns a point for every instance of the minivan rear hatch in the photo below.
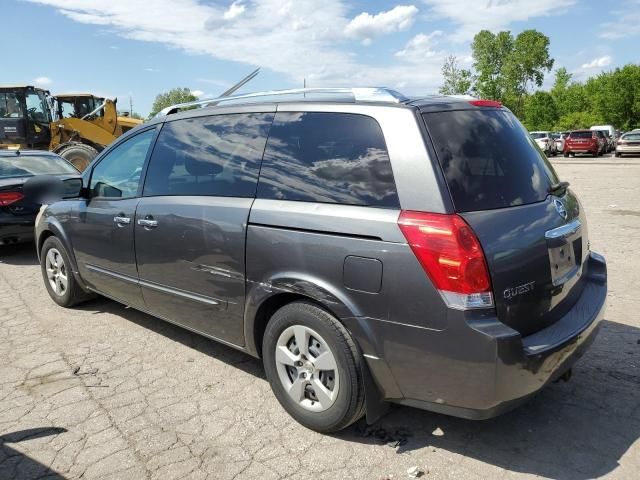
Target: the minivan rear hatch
pixel 530 226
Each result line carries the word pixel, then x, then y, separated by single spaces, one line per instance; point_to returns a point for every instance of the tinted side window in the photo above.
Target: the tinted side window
pixel 217 155
pixel 327 157
pixel 118 173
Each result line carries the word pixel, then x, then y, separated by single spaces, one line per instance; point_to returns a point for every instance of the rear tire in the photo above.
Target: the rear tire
pixel 78 154
pixel 566 154
pixel 58 275
pixel 302 342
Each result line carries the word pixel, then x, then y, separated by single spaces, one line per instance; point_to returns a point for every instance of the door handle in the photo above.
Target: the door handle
pixel 122 220
pixel 147 223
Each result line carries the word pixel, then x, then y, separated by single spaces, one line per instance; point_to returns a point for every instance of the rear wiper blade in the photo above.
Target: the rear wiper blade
pixel 558 187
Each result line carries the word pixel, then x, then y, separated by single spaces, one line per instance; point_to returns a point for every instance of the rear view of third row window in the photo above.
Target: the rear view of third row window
pixel 327 157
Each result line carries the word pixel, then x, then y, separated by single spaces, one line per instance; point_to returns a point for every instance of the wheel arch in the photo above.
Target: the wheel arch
pixel 52 228
pixel 264 298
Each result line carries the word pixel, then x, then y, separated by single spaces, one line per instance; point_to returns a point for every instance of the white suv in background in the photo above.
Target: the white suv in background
pixel 546 142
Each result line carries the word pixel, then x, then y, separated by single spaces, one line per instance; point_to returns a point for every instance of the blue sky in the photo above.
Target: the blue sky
pixel 135 48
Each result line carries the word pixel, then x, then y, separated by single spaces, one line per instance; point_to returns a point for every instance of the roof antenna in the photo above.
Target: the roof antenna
pixel 242 82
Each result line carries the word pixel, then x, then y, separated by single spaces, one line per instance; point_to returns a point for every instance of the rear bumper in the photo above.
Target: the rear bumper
pixel 627 149
pixel 479 368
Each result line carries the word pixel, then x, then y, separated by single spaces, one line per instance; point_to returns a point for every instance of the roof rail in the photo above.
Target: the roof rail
pixel 366 94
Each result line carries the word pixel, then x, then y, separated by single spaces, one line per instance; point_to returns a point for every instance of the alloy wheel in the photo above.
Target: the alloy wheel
pixel 56 272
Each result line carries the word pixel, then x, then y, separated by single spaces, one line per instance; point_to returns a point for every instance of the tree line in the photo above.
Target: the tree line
pixel 512 70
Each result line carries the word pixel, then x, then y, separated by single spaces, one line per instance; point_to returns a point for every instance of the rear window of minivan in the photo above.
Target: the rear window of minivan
pixel 488 159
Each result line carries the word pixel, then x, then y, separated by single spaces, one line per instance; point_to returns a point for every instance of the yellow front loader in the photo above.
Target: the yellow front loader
pixel 81 126
pixel 85 125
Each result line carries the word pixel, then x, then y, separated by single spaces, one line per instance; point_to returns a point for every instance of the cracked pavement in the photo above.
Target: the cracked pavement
pixel 103 391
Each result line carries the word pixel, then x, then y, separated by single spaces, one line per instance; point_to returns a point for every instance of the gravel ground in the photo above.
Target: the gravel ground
pixel 107 392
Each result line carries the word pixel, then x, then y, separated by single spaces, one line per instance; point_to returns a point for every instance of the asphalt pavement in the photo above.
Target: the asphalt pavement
pixel 103 391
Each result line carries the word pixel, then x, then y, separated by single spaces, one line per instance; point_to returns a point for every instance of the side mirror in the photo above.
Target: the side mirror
pixel 48 189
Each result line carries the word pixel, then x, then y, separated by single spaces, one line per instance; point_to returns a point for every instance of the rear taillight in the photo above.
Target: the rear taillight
pixel 7 198
pixel 621 142
pixel 452 257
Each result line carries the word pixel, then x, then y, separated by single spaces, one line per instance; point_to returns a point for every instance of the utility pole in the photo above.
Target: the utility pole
pixel 130 106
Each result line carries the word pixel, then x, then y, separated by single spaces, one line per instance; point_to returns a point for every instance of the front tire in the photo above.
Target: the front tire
pixel 314 367
pixel 58 275
pixel 78 154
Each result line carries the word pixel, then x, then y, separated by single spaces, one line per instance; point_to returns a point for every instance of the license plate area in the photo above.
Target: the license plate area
pixel 565 252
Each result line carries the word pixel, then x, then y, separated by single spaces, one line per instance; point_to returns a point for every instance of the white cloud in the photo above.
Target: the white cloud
pixel 197 93
pixel 419 47
pixel 235 10
pixel 626 22
pixel 151 70
pixel 600 62
pixel 471 16
pixel 366 27
pixel 292 37
pixel 42 81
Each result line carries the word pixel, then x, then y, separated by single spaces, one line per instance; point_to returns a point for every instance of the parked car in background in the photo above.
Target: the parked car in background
pixel 584 141
pixel 628 143
pixel 611 142
pixel 369 249
pixel 602 141
pixel 610 129
pixel 546 142
pixel 17 213
pixel 558 139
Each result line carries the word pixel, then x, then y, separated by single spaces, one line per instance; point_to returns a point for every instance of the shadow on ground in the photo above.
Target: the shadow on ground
pixel 19 254
pixel 15 464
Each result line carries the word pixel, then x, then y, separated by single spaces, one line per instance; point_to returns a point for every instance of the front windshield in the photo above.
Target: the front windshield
pixel 9 105
pixel 30 165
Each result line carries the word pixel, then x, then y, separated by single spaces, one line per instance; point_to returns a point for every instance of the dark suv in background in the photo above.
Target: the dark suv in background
pixel 368 247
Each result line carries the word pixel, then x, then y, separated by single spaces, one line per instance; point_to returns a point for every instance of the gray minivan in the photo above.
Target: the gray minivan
pixel 370 248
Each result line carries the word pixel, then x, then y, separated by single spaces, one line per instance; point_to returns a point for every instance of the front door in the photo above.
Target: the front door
pixel 191 221
pixel 103 233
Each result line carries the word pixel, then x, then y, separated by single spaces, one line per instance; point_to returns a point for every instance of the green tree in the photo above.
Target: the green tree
pixel 457 81
pixel 615 96
pixel 560 88
pixel 577 120
pixel 525 66
pixel 172 97
pixel 490 52
pixel 541 111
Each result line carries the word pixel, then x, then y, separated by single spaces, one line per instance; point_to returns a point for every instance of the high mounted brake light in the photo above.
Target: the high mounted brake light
pixel 452 257
pixel 485 103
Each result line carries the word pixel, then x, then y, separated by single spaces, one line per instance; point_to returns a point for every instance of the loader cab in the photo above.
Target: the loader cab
pixel 25 117
pixel 77 105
